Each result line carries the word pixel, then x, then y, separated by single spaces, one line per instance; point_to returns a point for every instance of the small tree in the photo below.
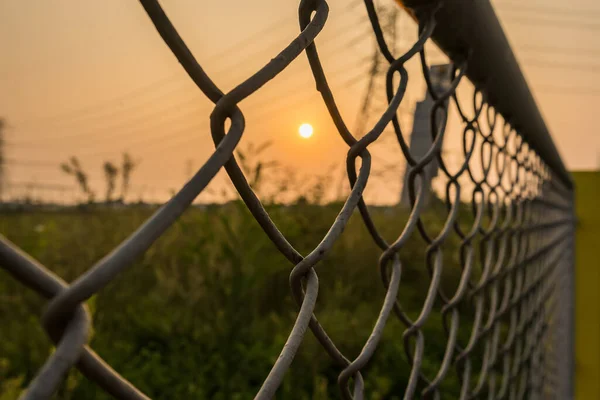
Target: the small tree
pixel 253 167
pixel 110 173
pixel 73 167
pixel 126 169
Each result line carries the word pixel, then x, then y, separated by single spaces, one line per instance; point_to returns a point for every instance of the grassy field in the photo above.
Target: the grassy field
pixel 208 308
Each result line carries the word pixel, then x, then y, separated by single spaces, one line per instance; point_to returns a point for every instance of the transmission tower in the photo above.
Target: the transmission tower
pixel 388 17
pixel 420 138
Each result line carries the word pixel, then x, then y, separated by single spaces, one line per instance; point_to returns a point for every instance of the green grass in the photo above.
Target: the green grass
pixel 206 311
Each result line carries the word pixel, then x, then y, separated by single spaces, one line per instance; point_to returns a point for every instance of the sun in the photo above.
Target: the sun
pixel 305 130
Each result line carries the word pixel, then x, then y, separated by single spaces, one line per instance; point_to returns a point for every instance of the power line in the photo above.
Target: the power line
pixel 270 50
pixel 167 123
pixel 172 132
pixel 529 21
pixel 151 87
pixel 549 10
pixel 188 139
pixel 49 186
pixel 191 101
pixel 116 130
pixel 44 164
pixel 81 112
pixel 555 50
pixel 575 67
pixel 156 141
pixel 566 90
pixel 32 163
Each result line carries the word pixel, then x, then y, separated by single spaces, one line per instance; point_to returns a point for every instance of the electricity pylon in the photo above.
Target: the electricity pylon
pixel 388 17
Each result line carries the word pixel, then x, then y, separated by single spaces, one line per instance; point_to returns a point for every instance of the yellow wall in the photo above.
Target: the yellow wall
pixel 587 286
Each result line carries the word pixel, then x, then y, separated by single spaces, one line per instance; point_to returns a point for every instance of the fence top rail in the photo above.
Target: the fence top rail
pixel 471 28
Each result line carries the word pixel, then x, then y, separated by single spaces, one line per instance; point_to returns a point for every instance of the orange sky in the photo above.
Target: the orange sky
pixel 93 79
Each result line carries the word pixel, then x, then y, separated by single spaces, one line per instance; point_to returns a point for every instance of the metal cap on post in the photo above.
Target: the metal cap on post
pixel 471 28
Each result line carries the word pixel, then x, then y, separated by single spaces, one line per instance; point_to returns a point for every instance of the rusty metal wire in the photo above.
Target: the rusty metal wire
pixel 515 251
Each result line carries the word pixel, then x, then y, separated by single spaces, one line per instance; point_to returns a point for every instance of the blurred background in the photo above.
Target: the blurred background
pixel 95 109
pixel 95 81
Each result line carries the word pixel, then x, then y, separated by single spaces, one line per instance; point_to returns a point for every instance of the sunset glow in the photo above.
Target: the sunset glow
pixel 305 130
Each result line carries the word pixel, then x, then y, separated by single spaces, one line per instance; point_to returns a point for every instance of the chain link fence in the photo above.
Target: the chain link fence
pixel 516 250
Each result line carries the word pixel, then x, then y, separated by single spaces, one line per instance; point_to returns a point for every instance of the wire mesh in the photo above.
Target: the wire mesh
pixel 514 293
